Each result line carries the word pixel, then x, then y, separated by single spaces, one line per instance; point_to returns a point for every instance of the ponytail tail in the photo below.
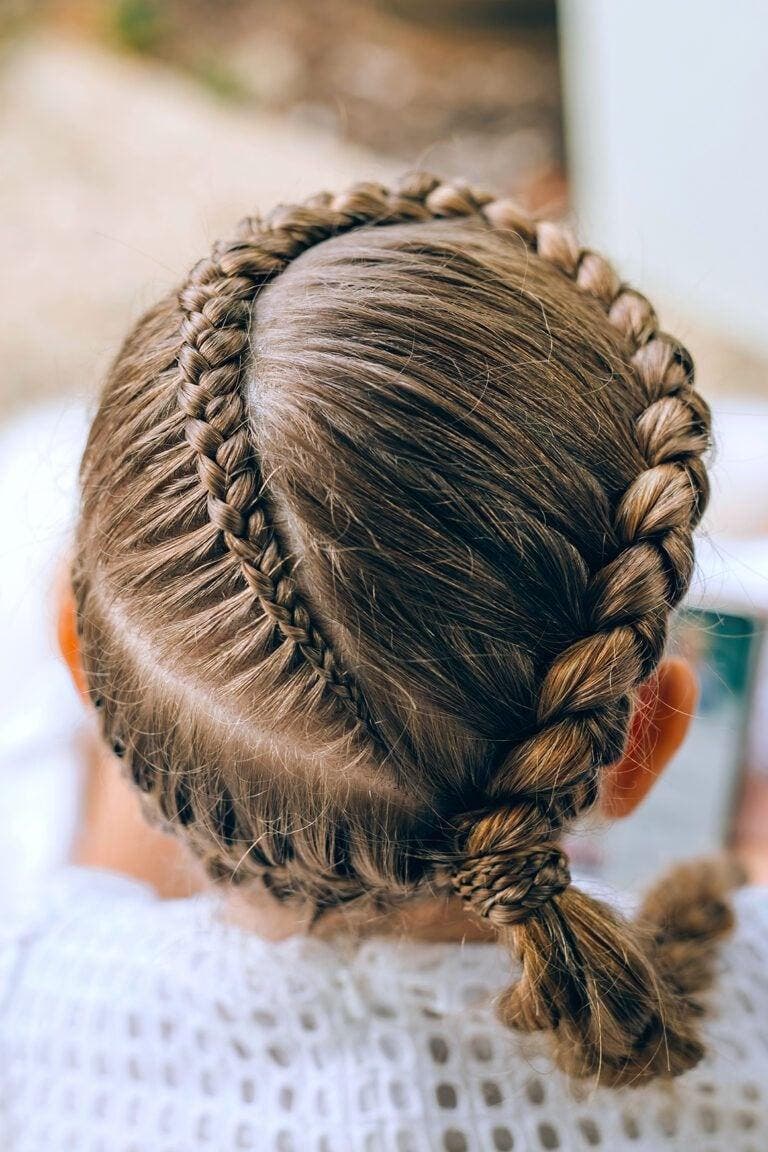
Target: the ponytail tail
pixel 621 997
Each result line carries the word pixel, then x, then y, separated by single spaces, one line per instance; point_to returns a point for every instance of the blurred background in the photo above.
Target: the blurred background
pixel 134 132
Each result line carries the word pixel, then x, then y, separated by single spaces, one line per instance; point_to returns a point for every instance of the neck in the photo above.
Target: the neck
pixel 115 836
pixel 432 919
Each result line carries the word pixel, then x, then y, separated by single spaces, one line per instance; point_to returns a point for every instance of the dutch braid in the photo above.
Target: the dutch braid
pixel 216 305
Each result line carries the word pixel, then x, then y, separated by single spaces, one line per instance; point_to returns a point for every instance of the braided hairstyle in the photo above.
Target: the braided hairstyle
pixel 383 517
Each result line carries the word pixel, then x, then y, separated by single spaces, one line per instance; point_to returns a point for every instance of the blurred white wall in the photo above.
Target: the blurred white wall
pixel 666 107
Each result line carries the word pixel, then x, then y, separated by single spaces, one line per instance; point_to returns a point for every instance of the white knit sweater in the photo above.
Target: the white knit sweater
pixel 132 1025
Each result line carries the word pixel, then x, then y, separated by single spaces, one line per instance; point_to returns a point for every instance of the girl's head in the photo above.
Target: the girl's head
pixel 383 517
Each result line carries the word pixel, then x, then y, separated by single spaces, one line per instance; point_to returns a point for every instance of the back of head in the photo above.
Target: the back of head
pixel 383 518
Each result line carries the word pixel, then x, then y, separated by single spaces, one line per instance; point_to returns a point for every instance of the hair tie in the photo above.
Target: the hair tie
pixel 510 865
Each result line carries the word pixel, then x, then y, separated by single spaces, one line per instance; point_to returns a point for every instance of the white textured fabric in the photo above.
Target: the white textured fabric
pixel 131 1025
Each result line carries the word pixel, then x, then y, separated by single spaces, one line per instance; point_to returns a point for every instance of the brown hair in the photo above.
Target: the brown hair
pixel 383 516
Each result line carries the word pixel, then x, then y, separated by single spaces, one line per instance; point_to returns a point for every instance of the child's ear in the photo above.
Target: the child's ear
pixel 659 726
pixel 66 631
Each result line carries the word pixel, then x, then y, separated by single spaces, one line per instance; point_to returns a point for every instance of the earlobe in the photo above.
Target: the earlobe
pixel 665 707
pixel 66 632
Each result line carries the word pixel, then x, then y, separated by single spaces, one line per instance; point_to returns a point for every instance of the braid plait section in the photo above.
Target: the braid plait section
pixel 216 304
pixel 616 1005
pixel 585 697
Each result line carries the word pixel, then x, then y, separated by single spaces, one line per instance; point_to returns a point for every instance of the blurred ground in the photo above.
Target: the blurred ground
pixel 478 78
pixel 116 176
pixel 118 169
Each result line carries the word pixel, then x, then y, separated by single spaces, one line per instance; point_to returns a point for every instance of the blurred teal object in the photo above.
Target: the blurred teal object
pixel 690 810
pixel 475 12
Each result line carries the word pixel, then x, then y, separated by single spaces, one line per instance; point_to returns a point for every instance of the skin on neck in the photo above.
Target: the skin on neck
pixel 114 835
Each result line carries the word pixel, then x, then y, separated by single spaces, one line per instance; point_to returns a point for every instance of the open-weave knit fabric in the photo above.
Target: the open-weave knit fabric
pixel 131 1025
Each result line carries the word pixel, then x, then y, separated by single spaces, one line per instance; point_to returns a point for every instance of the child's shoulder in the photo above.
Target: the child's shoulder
pixel 744 954
pixel 751 905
